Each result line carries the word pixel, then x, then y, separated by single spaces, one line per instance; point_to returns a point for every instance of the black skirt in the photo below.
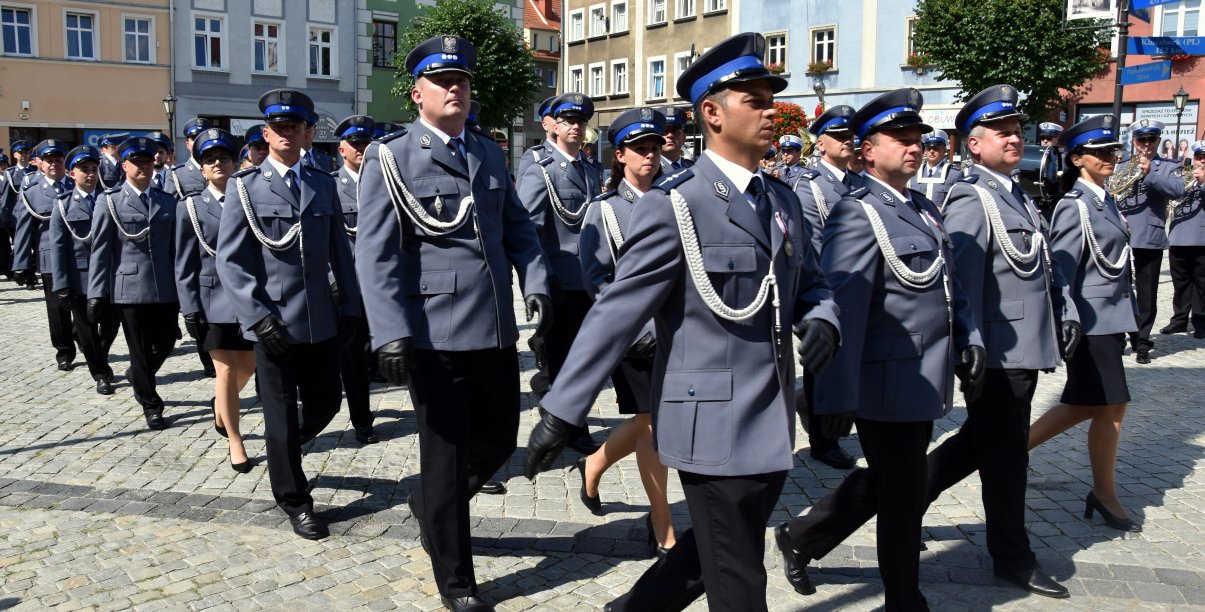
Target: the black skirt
pixel 225 337
pixel 633 382
pixel 1096 375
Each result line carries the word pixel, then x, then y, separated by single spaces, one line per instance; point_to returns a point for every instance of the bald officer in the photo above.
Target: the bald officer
pixel 673 158
pixel 936 175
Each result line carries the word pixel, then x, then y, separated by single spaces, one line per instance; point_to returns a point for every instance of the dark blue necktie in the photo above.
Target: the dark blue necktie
pixel 456 145
pixel 291 181
pixel 761 203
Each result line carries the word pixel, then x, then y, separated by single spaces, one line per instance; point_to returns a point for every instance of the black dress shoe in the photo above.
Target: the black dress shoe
pixel 593 504
pixel 492 487
pixel 221 429
pixel 1092 504
pixel 835 457
pixel 309 526
pixel 584 445
pixel 365 435
pixel 1035 581
pixel 1143 357
pixel 1199 334
pixel 104 386
pixel 65 365
pixel 794 563
pixel 155 421
pixel 472 603
pixel 1173 329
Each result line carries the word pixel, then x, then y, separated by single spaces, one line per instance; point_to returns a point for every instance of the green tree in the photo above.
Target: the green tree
pixel 504 81
pixel 980 43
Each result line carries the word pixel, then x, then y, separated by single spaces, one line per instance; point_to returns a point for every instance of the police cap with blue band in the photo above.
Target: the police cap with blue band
pixel 634 124
pixel 195 126
pixel 279 105
pixel 835 119
pixel 1092 133
pixel 3 158
pixel 50 147
pixel 790 141
pixel 675 117
pixel 737 59
pixel 546 106
pixel 254 134
pixel 160 139
pixel 474 110
pixel 442 54
pixel 19 146
pixel 356 128
pixel 213 138
pixel 82 153
pixel 112 140
pixel 936 137
pixel 895 109
pixel 138 146
pixel 574 104
pixel 992 104
pixel 1146 127
pixel 244 153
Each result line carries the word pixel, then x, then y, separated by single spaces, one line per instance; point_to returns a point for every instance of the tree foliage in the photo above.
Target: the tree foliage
pixel 980 43
pixel 504 81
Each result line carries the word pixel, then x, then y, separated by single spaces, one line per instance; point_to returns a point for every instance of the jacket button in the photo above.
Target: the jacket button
pixel 424 287
pixel 691 391
pixel 731 266
pixel 913 246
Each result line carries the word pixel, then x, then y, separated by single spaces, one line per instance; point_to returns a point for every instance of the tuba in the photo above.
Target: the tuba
pixel 1127 174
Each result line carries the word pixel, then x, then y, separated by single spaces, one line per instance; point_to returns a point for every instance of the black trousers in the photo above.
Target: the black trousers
pixel 1147 263
pixel 353 368
pixel 893 486
pixel 994 440
pixel 95 340
pixel 311 372
pixel 813 423
pixel 467 407
pixel 150 331
pixel 6 250
pixel 721 554
pixel 59 318
pixel 569 309
pixel 1187 264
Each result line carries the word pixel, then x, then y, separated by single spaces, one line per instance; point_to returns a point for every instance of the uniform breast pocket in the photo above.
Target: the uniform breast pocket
pixel 132 221
pixel 437 290
pixel 731 268
pixel 495 196
pixel 695 421
pixel 916 251
pixel 275 219
pixel 436 193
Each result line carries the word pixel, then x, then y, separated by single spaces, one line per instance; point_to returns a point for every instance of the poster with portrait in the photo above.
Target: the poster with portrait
pixel 1091 9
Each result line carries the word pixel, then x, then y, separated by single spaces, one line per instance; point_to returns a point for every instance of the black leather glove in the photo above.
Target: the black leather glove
pixel 391 360
pixel 1070 335
pixel 270 333
pixel 645 347
pixel 833 426
pixel 96 306
pixel 972 364
pixel 546 443
pixel 539 304
pixel 19 277
pixel 817 344
pixel 196 324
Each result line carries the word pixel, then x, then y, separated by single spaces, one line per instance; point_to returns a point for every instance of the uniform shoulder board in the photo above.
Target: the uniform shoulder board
pixel 859 193
pixel 776 179
pixel 246 171
pixel 544 161
pixel 1073 193
pixel 334 173
pixel 809 174
pixel 401 131
pixel 179 166
pixel 969 178
pixel 114 189
pixel 537 148
pixel 675 179
pixel 604 195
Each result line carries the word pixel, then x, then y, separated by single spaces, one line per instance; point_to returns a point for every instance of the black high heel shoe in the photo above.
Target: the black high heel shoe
pixel 213 405
pixel 1092 504
pixel 593 504
pixel 658 550
pixel 242 468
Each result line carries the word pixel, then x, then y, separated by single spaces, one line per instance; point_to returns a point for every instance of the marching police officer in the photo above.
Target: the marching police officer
pixel 1142 186
pixel 12 182
pixel 280 235
pixel 257 147
pixel 907 329
pixel 936 175
pixel 37 199
pixel 534 153
pixel 354 133
pixel 672 155
pixel 132 268
pixel 184 180
pixel 6 220
pixel 1186 255
pixel 70 237
pixel 1048 134
pixel 314 158
pixel 161 179
pixel 726 379
pixel 110 167
pixel 790 147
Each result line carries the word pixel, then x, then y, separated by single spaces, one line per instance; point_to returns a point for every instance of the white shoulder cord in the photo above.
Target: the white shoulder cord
pixel 1012 256
pixel 11 181
pixel 120 228
pixel 572 219
pixel 402 199
pixel 285 241
pixel 914 280
pixel 611 223
pixel 196 226
pixel 176 182
pixel 821 204
pixel 1108 269
pixel 33 213
pixel 698 273
pixel 63 212
pixel 100 177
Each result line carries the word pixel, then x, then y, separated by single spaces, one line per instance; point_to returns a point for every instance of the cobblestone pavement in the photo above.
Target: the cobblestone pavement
pixel 97 512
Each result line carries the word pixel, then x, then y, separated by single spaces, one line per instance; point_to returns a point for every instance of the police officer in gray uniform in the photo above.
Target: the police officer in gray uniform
pixel 6 223
pixel 700 245
pixel 1142 186
pixel 111 174
pixel 31 244
pixel 441 227
pixel 280 235
pixel 70 237
pixel 673 158
pixel 790 148
pixel 314 158
pixel 1186 255
pixel 535 153
pixel 936 175
pixel 132 267
pixel 161 177
pixel 10 198
pixel 907 330
pixel 184 180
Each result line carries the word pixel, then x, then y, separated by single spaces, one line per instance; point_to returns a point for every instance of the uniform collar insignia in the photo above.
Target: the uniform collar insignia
pixel 424 140
pixel 564 165
pixel 721 189
pixel 628 194
pixel 205 198
pixel 344 179
pixel 887 197
pixel 268 174
pixel 992 183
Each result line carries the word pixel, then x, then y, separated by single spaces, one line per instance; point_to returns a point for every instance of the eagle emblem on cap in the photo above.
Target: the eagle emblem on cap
pixel 450 44
pixel 1107 118
pixel 142 142
pixel 759 45
pixel 286 96
pixel 578 100
pixel 646 114
pixel 1146 123
pixel 1007 91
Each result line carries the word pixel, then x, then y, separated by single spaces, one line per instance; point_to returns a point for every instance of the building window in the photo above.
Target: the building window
pixel 710 6
pixel 577 26
pixel 81 34
pixel 267 46
pixel 656 78
pixel 17 27
pixel 551 79
pixel 656 12
pixel 384 43
pixel 207 42
pixel 598 20
pixel 598 80
pixel 576 79
pixel 681 63
pixel 137 37
pixel 1182 18
pixel 322 51
pixel 909 32
pixel 554 44
pixel 824 45
pixel 619 16
pixel 619 76
pixel 685 8
pixel 776 50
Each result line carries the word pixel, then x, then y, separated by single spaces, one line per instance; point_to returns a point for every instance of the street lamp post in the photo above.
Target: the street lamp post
pixel 169 107
pixel 1180 99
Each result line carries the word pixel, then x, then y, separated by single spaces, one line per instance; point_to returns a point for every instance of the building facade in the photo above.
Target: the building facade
pixel 542 31
pixel 381 23
pixel 75 71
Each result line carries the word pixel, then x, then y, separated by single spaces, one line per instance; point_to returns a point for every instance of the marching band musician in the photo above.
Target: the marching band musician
pixel 936 175
pixel 1186 256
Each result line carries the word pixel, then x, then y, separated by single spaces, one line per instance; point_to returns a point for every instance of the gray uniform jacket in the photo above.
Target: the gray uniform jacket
pixel 896 362
pixel 558 237
pixel 668 167
pixel 449 292
pixel 31 235
pixel 831 189
pixel 724 392
pixel 111 174
pixel 790 174
pixel 936 187
pixel 8 195
pixel 1146 207
pixel 532 155
pixel 598 246
pixel 319 161
pixel 128 270
pixel 347 187
pixel 291 283
pixel 1188 219
pixel 184 179
pixel 1102 305
pixel 197 281
pixel 69 255
pixel 1014 312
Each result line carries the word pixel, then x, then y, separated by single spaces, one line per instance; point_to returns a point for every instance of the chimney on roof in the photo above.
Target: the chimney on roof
pixel 549 7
